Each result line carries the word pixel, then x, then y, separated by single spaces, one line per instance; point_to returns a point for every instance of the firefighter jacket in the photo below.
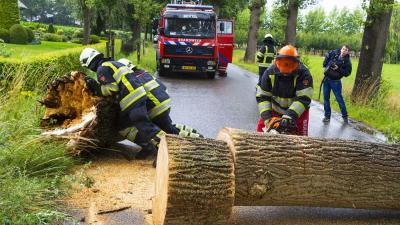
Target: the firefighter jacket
pixel 284 94
pixel 344 66
pixel 266 55
pixel 133 88
pixel 158 99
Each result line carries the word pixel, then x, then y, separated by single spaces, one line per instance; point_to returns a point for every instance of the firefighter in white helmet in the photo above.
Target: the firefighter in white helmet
pixel 266 54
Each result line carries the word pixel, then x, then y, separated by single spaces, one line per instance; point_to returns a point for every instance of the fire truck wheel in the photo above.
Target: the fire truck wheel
pixel 211 75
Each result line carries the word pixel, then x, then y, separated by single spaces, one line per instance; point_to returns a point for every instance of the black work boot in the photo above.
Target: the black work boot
pixel 148 151
pixel 345 120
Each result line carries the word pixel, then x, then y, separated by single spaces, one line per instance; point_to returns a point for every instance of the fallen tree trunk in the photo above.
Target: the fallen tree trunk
pixel 280 170
pixel 73 112
pixel 195 182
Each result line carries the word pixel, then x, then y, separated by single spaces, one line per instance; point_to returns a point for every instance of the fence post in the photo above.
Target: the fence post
pixel 138 51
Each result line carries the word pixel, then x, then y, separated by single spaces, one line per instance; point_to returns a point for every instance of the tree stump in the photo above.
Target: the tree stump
pixel 281 170
pixel 73 112
pixel 195 182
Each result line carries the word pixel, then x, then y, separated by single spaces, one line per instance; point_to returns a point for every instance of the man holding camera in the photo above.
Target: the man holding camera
pixel 337 65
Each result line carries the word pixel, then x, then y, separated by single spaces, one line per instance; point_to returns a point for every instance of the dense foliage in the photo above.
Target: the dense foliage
pixel 18 34
pixel 9 13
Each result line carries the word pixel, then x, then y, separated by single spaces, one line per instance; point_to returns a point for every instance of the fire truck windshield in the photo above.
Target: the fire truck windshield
pixel 189 28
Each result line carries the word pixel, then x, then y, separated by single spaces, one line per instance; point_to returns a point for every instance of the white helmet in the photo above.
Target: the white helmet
pixel 127 63
pixel 268 36
pixel 87 56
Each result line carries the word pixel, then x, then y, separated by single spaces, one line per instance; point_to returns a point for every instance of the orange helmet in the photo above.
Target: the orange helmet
pixel 287 59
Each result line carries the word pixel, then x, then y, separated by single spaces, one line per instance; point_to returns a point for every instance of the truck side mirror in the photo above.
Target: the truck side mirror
pixel 161 30
pixel 222 27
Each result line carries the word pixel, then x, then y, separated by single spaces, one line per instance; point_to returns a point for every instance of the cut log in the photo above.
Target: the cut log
pixel 195 182
pixel 73 112
pixel 281 170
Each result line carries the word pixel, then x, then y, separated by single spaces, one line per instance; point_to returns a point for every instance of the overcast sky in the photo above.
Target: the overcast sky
pixel 328 5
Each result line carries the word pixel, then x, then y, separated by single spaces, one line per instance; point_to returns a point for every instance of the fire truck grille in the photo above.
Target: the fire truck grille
pixel 189 50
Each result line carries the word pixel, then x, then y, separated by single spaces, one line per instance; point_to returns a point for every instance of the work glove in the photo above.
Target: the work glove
pixel 92 85
pixel 287 123
pixel 272 124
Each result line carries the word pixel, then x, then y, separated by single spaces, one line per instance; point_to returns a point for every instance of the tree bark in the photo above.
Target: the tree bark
pixel 280 170
pixel 86 21
pixel 290 31
pixel 254 25
pixel 369 71
pixel 135 26
pixel 195 182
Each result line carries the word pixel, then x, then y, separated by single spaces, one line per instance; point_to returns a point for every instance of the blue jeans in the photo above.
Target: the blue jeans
pixel 336 87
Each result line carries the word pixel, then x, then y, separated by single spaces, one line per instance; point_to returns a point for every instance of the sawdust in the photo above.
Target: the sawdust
pixel 118 184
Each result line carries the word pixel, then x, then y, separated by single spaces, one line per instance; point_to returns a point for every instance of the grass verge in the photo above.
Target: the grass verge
pixel 383 113
pixel 33 167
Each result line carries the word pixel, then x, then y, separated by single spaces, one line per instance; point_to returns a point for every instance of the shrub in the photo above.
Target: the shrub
pixel 30 34
pixel 18 34
pixel 60 31
pixel 3 51
pixel 41 30
pixel 78 34
pixel 93 39
pixel 52 37
pixel 5 35
pixel 51 29
pixel 77 40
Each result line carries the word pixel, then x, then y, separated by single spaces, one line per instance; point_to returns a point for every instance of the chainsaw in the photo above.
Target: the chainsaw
pixel 275 126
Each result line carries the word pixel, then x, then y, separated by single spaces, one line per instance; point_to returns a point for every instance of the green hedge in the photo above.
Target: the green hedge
pixel 50 65
pixel 9 13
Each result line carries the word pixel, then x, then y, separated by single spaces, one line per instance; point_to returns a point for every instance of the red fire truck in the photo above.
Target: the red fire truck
pixel 192 39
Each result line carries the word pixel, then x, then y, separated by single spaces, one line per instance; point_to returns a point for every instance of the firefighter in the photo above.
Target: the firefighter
pixel 285 92
pixel 265 55
pixel 117 80
pixel 162 120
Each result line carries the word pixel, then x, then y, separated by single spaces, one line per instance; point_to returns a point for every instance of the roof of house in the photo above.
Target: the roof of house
pixel 21 5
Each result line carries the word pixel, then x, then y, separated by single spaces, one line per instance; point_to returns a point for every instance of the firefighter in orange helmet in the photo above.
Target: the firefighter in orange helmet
pixel 285 92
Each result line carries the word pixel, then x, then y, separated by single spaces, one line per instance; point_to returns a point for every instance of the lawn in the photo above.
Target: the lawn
pixel 383 115
pixel 21 51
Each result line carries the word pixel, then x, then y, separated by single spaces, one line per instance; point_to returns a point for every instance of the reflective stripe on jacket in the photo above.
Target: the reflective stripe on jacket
pixel 265 56
pixel 115 80
pixel 285 94
pixel 158 99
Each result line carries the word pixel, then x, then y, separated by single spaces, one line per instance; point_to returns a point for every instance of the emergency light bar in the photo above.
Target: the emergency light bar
pixel 178 6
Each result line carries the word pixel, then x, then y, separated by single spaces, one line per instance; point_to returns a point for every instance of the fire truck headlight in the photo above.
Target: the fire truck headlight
pixel 211 63
pixel 165 61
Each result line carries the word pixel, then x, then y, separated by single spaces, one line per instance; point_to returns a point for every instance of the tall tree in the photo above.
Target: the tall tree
pixel 290 31
pixel 255 7
pixel 368 77
pixel 314 21
pixel 292 11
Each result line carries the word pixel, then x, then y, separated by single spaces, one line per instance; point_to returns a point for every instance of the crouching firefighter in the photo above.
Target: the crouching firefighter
pixel 158 109
pixel 284 94
pixel 117 80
